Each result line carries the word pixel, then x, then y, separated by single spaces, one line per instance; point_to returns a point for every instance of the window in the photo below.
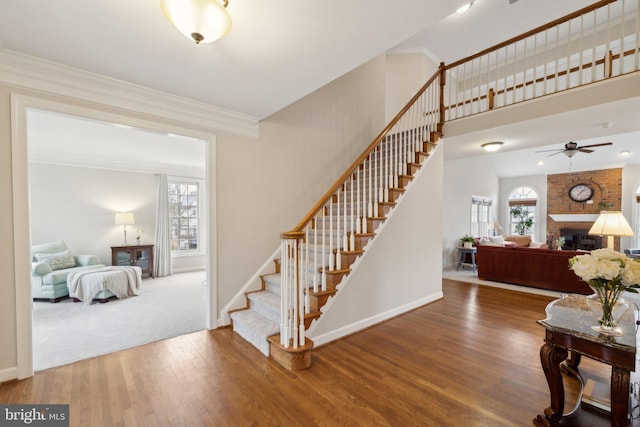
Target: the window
pixel 522 210
pixel 184 215
pixel 480 216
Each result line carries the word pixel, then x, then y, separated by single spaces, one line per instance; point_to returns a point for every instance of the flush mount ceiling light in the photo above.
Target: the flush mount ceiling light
pixel 464 8
pixel 492 146
pixel 203 21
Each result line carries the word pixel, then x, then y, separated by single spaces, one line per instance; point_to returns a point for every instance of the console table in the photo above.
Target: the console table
pixel 568 330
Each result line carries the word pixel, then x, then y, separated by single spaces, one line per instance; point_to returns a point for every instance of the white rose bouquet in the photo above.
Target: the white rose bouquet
pixel 608 273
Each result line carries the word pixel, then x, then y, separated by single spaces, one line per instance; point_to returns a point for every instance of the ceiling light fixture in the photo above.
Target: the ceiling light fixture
pixel 464 8
pixel 492 146
pixel 625 153
pixel 203 21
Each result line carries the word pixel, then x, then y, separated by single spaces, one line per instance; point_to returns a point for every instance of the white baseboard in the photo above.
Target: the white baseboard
pixel 371 321
pixel 8 374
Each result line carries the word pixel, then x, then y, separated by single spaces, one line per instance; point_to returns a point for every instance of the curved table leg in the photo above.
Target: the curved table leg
pixel 551 357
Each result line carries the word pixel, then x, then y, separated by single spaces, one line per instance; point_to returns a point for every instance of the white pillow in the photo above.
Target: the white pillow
pixel 57 261
pixel 486 241
pixel 496 240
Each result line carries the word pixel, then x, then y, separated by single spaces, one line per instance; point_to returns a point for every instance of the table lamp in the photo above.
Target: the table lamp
pixel 124 219
pixel 611 224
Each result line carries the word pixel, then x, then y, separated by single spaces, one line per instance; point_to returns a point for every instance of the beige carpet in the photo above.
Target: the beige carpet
pixel 166 307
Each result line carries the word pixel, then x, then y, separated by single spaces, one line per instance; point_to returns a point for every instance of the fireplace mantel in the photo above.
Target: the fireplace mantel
pixel 574 217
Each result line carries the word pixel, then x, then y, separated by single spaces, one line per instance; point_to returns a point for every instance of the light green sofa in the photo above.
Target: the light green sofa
pixel 51 263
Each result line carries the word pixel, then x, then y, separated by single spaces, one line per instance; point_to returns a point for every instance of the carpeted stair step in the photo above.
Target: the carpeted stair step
pixel 254 328
pixel 272 283
pixel 265 303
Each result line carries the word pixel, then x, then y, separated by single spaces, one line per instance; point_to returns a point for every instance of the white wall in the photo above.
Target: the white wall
pixel 400 270
pixel 267 186
pixel 464 178
pixel 405 75
pixel 539 184
pixel 78 205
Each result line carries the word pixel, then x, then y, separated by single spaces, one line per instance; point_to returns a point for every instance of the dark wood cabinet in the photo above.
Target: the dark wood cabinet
pixel 139 255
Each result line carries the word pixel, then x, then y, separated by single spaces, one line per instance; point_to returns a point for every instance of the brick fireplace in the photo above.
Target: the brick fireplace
pixel 579 238
pixel 573 219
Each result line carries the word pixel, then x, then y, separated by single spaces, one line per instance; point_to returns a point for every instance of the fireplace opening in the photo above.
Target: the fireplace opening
pixel 579 239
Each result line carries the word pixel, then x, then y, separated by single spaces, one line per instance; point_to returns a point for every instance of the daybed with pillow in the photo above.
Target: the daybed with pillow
pixel 51 263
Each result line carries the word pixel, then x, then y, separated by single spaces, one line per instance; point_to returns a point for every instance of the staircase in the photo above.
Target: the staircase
pixel 318 255
pixel 261 318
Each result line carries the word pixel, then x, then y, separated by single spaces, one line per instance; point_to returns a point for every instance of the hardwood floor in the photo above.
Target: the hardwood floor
pixel 470 359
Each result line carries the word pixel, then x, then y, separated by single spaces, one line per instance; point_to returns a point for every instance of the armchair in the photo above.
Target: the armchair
pixel 51 263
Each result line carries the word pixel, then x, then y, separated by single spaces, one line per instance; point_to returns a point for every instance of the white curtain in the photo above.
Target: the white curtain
pixel 162 259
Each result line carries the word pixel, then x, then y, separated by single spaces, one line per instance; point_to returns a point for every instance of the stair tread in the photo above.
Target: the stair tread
pixel 265 297
pixel 261 324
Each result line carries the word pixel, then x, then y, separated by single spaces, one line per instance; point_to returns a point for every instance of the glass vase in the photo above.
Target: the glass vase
pixel 608 314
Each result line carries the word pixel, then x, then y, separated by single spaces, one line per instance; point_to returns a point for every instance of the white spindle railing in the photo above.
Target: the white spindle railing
pixel 312 254
pixel 591 45
pixel 582 48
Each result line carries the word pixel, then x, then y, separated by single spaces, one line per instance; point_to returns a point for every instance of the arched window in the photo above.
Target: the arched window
pixel 522 210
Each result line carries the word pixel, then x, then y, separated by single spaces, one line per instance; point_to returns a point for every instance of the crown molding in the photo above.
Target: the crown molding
pixel 123 165
pixel 33 73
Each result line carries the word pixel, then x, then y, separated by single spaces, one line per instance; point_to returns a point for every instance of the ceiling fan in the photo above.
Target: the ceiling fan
pixel 571 148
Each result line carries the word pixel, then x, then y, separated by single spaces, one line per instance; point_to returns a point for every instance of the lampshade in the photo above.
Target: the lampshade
pixel 204 21
pixel 124 218
pixel 610 224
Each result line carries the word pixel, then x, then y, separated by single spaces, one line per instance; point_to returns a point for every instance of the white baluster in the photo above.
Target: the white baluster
pixel 353 229
pixel 338 235
pixel 324 249
pixel 331 236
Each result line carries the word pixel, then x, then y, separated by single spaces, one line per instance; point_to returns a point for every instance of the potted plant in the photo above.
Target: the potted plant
pixel 521 216
pixel 560 241
pixel 467 241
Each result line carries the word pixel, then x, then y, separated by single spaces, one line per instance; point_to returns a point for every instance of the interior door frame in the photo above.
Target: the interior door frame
pixel 20 104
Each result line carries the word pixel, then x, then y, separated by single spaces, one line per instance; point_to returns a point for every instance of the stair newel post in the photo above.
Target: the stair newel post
pixel 284 295
pixel 291 296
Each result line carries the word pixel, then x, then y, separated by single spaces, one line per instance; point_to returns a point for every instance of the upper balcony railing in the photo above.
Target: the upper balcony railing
pixel 590 45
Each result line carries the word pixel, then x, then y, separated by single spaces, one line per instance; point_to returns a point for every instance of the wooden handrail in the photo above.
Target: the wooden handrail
pixel 323 201
pixel 441 73
pixel 532 32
